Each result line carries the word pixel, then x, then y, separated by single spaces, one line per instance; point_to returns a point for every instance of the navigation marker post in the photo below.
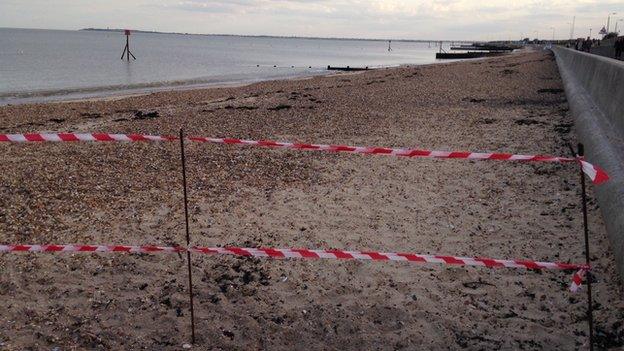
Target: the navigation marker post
pixel 127 47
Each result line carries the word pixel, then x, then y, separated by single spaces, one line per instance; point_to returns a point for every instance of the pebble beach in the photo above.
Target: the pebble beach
pixel 131 194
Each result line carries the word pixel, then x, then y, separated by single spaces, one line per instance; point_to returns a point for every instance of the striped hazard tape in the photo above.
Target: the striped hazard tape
pixel 22 138
pixel 597 175
pixel 317 254
pixel 577 279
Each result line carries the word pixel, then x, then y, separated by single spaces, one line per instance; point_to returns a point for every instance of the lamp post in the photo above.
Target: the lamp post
pixel 553 37
pixel 609 20
pixel 570 24
pixel 590 33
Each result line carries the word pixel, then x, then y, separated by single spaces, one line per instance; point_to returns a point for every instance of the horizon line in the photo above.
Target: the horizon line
pixel 94 29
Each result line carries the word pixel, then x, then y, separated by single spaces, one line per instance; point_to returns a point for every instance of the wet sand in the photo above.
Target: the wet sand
pixel 113 193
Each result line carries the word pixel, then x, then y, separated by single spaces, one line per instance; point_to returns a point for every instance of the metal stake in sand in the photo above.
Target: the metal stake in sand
pixel 127 47
pixel 590 313
pixel 188 236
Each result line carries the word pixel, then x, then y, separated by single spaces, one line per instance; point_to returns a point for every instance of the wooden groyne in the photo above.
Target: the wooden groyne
pixel 347 68
pixel 467 55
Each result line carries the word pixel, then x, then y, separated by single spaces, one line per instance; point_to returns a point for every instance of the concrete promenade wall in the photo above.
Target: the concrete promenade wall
pixel 595 90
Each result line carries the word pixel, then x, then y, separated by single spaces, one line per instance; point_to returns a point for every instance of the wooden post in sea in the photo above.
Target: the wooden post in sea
pixel 127 47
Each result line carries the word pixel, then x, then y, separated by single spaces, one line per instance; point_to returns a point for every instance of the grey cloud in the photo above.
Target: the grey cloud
pixel 412 19
pixel 601 8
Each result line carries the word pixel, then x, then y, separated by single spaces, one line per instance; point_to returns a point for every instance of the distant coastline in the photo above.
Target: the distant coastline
pixel 118 30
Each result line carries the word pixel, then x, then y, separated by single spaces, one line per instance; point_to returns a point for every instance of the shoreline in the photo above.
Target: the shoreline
pixel 78 94
pixel 102 93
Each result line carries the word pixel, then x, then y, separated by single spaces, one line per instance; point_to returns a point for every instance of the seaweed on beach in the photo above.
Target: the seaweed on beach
pixel 145 115
pixel 279 107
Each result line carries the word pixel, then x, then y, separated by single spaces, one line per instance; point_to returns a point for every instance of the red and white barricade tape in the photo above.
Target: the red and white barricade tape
pixel 21 138
pixel 316 254
pixel 577 280
pixel 597 175
pixel 90 248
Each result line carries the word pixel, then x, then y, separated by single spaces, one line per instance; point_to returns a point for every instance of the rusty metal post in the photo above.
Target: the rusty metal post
pixel 188 236
pixel 590 309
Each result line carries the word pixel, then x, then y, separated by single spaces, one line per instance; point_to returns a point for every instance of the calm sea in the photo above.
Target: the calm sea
pixel 43 65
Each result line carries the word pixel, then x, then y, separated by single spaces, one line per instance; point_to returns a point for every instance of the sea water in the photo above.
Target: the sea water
pixel 43 65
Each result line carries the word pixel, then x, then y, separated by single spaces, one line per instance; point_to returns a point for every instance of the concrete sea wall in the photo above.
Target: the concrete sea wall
pixel 595 90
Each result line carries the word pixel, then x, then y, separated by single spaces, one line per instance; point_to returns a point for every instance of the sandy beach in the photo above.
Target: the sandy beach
pixel 130 193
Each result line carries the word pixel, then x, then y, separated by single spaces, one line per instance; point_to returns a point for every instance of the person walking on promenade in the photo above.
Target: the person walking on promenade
pixel 587 44
pixel 619 47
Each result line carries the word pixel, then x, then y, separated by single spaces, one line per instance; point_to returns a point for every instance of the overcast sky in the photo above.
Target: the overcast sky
pixel 406 19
